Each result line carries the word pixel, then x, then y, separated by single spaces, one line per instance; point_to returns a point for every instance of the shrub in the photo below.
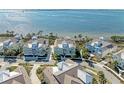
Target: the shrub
pixel 39 73
pixel 94 81
pixel 101 77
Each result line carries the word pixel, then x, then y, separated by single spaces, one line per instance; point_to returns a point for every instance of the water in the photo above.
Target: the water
pixel 64 22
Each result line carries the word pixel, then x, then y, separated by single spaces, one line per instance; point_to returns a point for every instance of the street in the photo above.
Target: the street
pixel 112 78
pixel 109 76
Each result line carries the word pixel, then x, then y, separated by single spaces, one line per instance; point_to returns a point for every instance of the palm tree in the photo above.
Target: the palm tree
pixel 40 32
pixel 87 39
pixel 75 36
pixel 80 36
pixel 102 78
pixel 84 53
pixel 51 34
pixel 7 31
pixel 12 32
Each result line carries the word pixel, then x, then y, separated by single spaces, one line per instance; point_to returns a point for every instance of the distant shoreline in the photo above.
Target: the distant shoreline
pixel 67 22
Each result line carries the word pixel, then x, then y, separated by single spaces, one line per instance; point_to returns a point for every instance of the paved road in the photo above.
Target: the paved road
pixel 112 78
pixel 52 51
pixel 99 67
pixel 33 76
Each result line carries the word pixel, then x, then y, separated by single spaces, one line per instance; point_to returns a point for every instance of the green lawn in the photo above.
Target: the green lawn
pixel 28 67
pixel 12 68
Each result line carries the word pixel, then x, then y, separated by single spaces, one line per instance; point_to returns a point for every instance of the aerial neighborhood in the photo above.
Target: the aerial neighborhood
pixel 38 58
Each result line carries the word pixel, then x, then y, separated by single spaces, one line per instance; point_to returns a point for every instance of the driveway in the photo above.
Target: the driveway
pixel 33 76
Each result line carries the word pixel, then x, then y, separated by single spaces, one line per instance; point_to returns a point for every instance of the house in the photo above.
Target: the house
pixel 36 50
pixel 66 72
pixel 100 48
pixel 65 47
pixel 11 43
pixel 18 76
pixel 119 57
pixel 6 76
pixel 8 43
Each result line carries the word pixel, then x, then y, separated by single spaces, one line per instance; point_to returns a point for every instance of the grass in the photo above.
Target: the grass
pixel 25 64
pixel 96 77
pixel 113 65
pixel 90 68
pixel 12 68
pixel 46 65
pixel 4 38
pixel 39 73
pixel 28 67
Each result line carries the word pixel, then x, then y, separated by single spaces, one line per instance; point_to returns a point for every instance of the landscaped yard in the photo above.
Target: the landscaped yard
pixel 40 73
pixel 113 65
pixel 12 68
pixel 28 67
pixel 98 76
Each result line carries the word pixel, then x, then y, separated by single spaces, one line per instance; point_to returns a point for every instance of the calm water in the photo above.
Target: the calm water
pixel 64 22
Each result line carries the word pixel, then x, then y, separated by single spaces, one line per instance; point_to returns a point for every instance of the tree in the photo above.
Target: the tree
pixel 117 38
pixel 28 36
pixel 40 32
pixel 55 56
pixel 12 32
pixel 101 77
pixel 51 34
pixel 39 70
pixel 94 81
pixel 113 38
pixel 80 36
pixel 84 53
pixel 87 39
pixel 33 34
pixel 77 53
pixel 39 73
pixel 113 65
pixel 7 31
pixel 75 36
